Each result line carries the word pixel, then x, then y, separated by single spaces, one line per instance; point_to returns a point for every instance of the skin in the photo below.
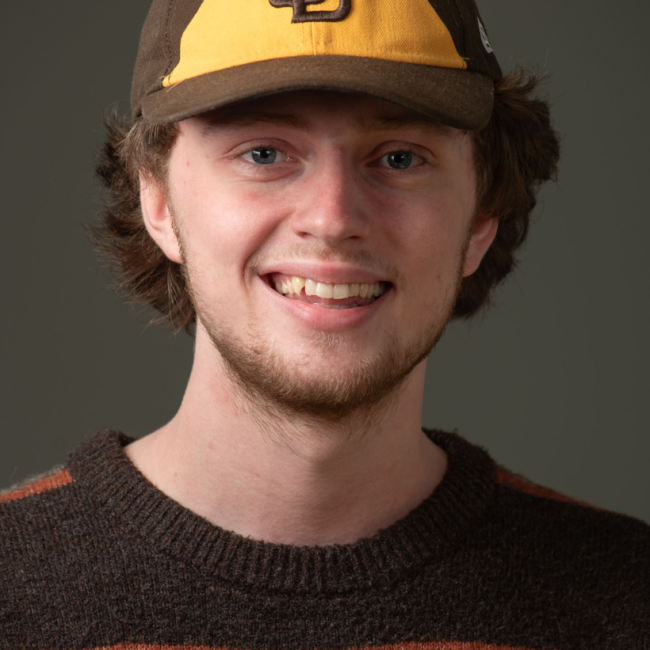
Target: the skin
pixel 281 465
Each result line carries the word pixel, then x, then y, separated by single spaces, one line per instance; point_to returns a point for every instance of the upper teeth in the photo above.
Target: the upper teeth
pixel 336 291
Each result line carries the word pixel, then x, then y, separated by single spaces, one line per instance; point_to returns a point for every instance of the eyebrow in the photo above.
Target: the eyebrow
pixel 220 120
pixel 415 121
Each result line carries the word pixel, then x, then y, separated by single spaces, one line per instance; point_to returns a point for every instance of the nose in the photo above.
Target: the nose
pixel 332 209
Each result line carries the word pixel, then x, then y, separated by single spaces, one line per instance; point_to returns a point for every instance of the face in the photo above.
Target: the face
pixel 324 237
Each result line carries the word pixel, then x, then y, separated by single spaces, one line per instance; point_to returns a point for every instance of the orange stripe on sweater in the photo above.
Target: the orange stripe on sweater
pixel 38 487
pixel 522 485
pixel 429 645
pixel 445 645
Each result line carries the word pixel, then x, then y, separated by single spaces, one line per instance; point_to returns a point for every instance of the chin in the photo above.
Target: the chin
pixel 335 383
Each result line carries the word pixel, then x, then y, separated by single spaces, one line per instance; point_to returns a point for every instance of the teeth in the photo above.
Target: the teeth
pixel 296 284
pixel 341 291
pixel 324 290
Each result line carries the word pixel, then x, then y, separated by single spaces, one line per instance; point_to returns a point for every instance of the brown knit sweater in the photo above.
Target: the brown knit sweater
pixel 93 556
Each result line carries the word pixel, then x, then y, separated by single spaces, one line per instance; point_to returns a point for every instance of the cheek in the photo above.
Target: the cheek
pixel 429 235
pixel 223 222
pixel 428 231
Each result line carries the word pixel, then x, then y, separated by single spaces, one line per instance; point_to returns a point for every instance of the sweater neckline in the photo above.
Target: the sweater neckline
pixel 434 528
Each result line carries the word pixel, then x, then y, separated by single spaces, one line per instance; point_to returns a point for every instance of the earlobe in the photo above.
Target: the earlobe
pixel 157 218
pixel 484 231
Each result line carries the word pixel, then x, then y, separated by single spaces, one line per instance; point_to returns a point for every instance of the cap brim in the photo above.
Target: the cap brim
pixel 454 97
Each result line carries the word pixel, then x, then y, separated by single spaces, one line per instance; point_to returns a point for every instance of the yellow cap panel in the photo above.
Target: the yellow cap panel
pixel 221 35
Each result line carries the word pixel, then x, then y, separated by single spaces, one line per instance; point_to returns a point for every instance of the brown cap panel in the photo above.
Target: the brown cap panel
pixel 432 56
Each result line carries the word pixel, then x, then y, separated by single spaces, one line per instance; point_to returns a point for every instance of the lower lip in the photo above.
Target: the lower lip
pixel 326 319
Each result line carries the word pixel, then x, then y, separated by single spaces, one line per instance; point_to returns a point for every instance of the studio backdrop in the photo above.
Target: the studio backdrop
pixel 553 380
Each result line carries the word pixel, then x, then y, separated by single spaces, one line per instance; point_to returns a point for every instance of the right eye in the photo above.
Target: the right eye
pixel 264 156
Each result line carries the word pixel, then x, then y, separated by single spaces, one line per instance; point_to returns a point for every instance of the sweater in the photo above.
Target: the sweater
pixel 94 556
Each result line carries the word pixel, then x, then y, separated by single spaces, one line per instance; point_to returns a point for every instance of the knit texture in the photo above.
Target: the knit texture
pixel 94 556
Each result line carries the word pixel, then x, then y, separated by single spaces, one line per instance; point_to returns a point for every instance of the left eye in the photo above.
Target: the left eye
pixel 264 156
pixel 398 159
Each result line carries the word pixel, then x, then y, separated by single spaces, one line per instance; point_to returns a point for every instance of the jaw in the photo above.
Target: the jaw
pixel 322 378
pixel 313 363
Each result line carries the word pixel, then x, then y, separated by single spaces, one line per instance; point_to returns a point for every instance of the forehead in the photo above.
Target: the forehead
pixel 310 110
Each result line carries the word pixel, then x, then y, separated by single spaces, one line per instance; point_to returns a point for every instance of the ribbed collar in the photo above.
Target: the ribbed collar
pixel 437 526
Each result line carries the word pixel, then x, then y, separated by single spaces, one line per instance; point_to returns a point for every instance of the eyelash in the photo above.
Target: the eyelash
pixel 416 157
pixel 261 148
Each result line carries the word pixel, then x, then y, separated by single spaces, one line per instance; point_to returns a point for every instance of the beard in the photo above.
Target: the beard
pixel 273 388
pixel 281 387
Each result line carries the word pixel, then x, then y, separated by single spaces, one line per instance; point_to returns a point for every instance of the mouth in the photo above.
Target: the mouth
pixel 330 296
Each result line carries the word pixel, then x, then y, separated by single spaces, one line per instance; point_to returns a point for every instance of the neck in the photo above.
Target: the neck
pixel 287 481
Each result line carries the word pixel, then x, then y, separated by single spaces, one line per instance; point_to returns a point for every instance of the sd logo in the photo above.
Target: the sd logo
pixel 301 15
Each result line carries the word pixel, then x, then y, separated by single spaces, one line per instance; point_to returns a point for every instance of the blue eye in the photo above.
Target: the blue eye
pixel 399 159
pixel 264 156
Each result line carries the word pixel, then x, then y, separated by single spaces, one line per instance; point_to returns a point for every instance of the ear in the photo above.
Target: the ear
pixel 158 219
pixel 483 233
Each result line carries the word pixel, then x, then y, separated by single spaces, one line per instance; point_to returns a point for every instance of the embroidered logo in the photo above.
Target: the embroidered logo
pixel 301 15
pixel 484 38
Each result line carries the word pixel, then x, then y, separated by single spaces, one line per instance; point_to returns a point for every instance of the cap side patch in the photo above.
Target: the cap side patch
pixel 484 37
pixel 407 32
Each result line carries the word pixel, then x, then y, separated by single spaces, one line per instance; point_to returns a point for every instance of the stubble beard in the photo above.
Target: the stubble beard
pixel 275 391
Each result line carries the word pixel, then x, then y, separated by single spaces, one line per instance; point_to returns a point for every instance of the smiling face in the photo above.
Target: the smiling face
pixel 324 237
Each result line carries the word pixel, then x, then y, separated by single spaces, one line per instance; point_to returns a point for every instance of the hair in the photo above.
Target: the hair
pixel 514 154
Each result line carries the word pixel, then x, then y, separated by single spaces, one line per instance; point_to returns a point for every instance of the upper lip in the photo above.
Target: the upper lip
pixel 326 273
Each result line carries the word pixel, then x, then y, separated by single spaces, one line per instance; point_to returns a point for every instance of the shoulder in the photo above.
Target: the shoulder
pixel 53 507
pixel 39 521
pixel 56 478
pixel 42 495
pixel 51 541
pixel 583 550
pixel 533 504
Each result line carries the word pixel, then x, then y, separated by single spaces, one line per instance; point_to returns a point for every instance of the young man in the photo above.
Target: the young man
pixel 314 189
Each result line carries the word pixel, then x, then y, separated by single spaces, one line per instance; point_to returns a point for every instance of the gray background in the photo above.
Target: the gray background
pixel 554 381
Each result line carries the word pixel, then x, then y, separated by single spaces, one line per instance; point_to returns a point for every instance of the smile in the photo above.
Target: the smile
pixel 332 296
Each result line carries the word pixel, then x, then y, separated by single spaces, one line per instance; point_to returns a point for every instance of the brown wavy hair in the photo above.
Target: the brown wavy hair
pixel 514 154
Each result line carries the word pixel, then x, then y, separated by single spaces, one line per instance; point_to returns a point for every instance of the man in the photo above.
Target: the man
pixel 314 191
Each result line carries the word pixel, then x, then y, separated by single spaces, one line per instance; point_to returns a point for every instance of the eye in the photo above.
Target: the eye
pixel 264 156
pixel 398 159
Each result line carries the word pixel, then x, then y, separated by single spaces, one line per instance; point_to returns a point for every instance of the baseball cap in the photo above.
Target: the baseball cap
pixel 432 56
